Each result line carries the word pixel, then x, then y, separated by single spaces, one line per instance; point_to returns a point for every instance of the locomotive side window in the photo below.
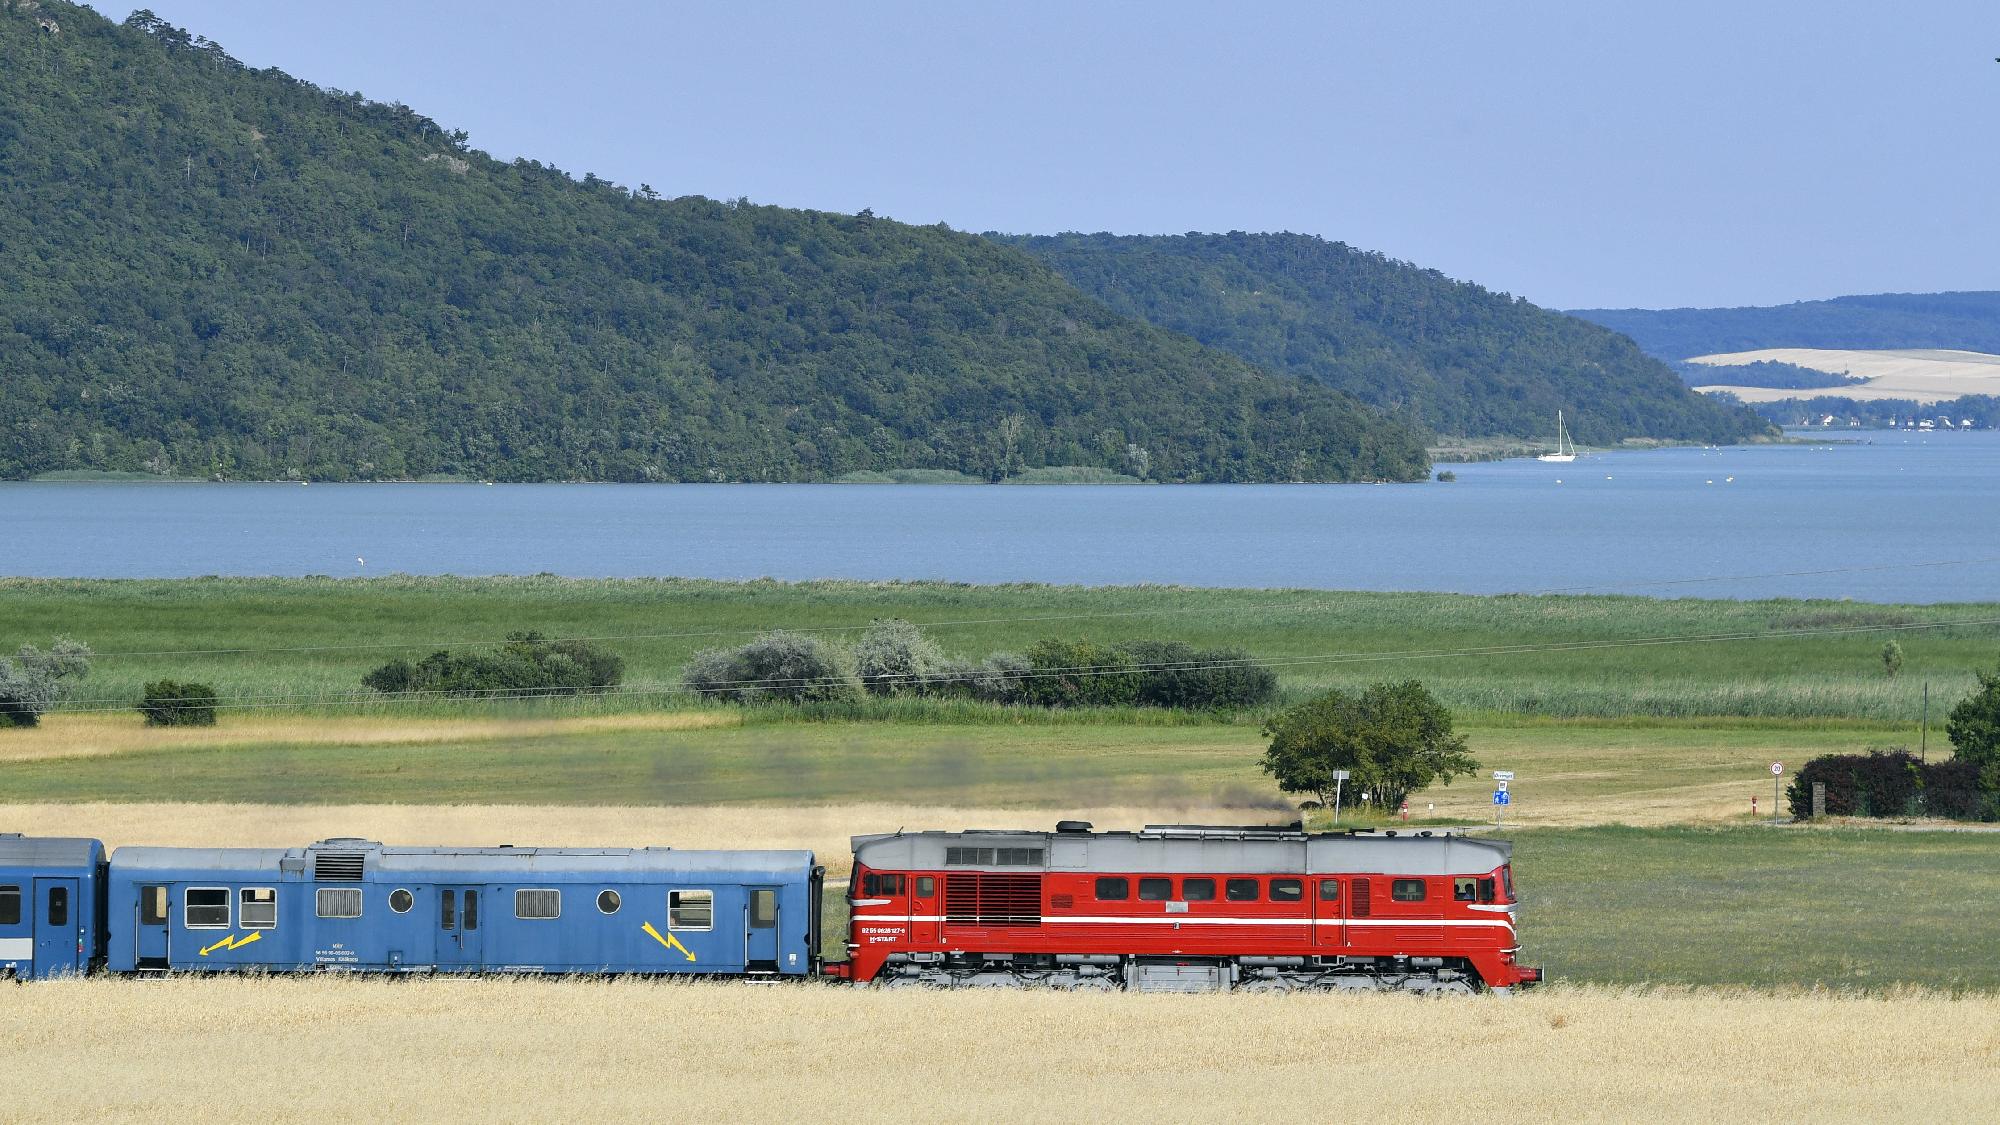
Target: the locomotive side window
pixel 1329 890
pixel 607 902
pixel 401 900
pixel 1198 890
pixel 152 906
pixel 1287 890
pixel 1113 888
pixel 690 910
pixel 205 908
pixel 448 911
pixel 337 902
pixel 1407 890
pixel 10 906
pixel 968 857
pixel 1462 889
pixel 1156 890
pixel 1241 890
pixel 876 884
pixel 1486 890
pixel 926 885
pixel 257 908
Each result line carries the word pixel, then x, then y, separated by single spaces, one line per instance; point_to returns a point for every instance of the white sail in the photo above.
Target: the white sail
pixel 1565 449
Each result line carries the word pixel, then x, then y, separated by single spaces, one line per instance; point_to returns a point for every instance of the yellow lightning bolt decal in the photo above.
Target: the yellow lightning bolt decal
pixel 233 942
pixel 670 941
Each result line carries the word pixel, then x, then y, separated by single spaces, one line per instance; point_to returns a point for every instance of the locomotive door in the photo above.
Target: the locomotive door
pixel 460 938
pixel 1330 914
pixel 924 910
pixel 760 928
pixel 58 927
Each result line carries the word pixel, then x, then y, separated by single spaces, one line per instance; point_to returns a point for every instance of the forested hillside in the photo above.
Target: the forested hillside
pixel 1446 354
pixel 217 271
pixel 1964 321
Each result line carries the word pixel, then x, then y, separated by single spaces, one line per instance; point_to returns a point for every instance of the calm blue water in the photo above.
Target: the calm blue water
pixel 1637 522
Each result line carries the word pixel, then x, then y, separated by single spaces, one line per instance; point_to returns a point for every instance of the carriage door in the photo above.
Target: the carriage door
pixel 58 928
pixel 150 943
pixel 461 928
pixel 760 929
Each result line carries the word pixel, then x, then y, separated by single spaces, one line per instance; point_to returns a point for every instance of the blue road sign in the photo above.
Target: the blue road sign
pixel 1503 798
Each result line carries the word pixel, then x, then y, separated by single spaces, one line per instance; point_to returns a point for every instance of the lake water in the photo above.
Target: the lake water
pixel 1896 517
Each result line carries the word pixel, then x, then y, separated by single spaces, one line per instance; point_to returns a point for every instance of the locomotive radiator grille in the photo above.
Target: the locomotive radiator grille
pixel 338 866
pixel 992 900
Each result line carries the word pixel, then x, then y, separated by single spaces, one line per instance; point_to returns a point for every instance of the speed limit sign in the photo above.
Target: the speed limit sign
pixel 1777 768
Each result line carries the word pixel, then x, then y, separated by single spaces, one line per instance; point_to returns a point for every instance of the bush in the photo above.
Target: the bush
pixel 777 666
pixel 1892 658
pixel 1000 678
pixel 1890 782
pixel 895 658
pixel 1974 729
pixel 37 679
pixel 1078 674
pixel 1174 674
pixel 527 664
pixel 169 703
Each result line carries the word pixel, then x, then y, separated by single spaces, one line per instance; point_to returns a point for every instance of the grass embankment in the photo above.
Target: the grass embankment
pixel 279 640
pixel 433 1050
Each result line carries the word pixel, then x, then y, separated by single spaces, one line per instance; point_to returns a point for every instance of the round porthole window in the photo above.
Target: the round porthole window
pixel 401 900
pixel 607 902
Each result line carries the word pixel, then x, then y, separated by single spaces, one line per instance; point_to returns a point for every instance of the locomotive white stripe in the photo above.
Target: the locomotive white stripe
pixel 1201 921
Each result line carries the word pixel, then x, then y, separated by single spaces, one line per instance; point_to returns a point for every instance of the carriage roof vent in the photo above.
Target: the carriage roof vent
pixel 338 867
pixel 1072 826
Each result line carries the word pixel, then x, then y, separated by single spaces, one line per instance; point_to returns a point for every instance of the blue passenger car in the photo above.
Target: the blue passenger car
pixel 356 904
pixel 49 922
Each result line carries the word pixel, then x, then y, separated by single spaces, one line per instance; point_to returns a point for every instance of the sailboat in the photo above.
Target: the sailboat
pixel 1565 448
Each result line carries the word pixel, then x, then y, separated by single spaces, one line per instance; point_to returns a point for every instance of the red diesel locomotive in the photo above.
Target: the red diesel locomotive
pixel 1184 908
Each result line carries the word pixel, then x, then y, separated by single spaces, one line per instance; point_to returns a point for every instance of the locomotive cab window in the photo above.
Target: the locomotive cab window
pixel 257 908
pixel 1329 890
pixel 1241 890
pixel 877 884
pixel 1156 890
pixel 10 906
pixel 1287 890
pixel 690 910
pixel 152 906
pixel 1486 890
pixel 1407 890
pixel 926 886
pixel 205 908
pixel 1113 889
pixel 1463 889
pixel 1198 890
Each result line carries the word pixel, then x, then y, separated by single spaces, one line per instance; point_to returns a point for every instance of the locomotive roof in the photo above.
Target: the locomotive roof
pixel 501 862
pixel 1189 848
pixel 17 850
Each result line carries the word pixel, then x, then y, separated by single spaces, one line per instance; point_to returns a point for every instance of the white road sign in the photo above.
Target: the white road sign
pixel 1503 775
pixel 1777 768
pixel 1500 785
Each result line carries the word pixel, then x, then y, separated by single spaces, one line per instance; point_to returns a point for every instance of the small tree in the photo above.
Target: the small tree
pixel 1974 729
pixel 895 658
pixel 37 679
pixel 1079 674
pixel 780 665
pixel 1393 739
pixel 1892 658
pixel 168 703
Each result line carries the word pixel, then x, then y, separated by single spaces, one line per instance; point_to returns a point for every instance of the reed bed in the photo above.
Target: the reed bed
pixel 335 1049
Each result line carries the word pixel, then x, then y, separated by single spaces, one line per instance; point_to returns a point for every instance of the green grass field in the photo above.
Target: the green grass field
pixel 281 640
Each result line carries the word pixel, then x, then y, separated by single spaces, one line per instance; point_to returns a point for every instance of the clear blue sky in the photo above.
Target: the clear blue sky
pixel 1578 153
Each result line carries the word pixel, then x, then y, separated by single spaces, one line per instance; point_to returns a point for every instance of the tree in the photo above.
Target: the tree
pixel 168 703
pixel 37 679
pixel 779 665
pixel 1393 739
pixel 1892 658
pixel 1974 729
pixel 1079 674
pixel 895 658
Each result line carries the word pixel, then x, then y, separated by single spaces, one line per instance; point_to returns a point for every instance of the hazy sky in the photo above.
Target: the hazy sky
pixel 1578 153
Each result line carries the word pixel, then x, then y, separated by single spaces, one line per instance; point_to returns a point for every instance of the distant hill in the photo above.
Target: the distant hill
pixel 1960 321
pixel 217 271
pixel 1445 354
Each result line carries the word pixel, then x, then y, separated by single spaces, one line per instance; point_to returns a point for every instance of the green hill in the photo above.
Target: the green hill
pixel 220 271
pixel 1963 321
pixel 1445 354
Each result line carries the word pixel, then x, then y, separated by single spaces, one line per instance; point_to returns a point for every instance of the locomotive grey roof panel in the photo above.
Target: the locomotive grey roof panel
pixel 46 851
pixel 1178 849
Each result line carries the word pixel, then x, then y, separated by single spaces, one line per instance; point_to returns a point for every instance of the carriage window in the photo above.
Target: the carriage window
pixel 257 908
pixel 1198 890
pixel 58 906
pixel 537 903
pixel 1113 889
pixel 607 902
pixel 1462 889
pixel 1287 890
pixel 152 906
pixel 690 910
pixel 448 910
pixel 401 900
pixel 206 908
pixel 1407 890
pixel 471 911
pixel 876 884
pixel 1156 890
pixel 10 906
pixel 763 909
pixel 926 885
pixel 1241 890
pixel 338 902
pixel 1329 890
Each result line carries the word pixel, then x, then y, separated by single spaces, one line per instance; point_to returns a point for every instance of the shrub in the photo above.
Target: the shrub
pixel 37 679
pixel 527 664
pixel 781 666
pixel 1892 658
pixel 1078 674
pixel 1974 728
pixel 1890 782
pixel 1000 678
pixel 169 703
pixel 1446 476
pixel 1174 674
pixel 895 658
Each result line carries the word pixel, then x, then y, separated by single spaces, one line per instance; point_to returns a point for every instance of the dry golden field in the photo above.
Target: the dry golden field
pixel 331 1049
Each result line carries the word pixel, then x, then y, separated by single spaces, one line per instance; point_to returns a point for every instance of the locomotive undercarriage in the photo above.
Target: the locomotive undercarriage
pixel 1445 976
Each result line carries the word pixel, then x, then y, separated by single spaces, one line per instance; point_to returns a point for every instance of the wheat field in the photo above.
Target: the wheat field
pixel 334 1049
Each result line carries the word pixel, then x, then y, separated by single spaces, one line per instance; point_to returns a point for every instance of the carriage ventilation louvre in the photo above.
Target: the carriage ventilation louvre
pixel 993 900
pixel 338 867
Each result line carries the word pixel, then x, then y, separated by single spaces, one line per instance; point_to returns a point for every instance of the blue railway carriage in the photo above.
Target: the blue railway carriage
pixel 358 905
pixel 50 924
